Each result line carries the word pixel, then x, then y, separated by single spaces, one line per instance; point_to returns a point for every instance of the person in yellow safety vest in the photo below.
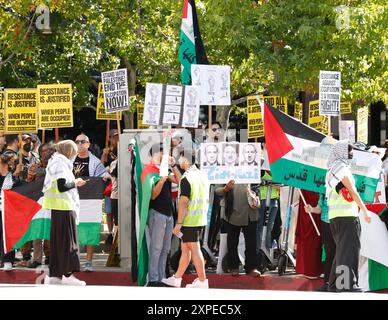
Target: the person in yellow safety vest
pixel 344 201
pixel 273 210
pixel 193 206
pixel 61 197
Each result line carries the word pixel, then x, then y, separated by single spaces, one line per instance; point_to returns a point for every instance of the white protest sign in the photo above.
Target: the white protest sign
pixel 227 161
pixel 213 82
pixel 115 84
pixel 374 239
pixel 347 130
pixel 191 107
pixel 152 104
pixel 170 104
pixel 329 93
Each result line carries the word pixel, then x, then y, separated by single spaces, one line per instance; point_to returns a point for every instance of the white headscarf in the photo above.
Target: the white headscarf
pixel 338 165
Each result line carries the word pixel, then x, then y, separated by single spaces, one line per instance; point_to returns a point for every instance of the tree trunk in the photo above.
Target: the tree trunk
pixel 129 122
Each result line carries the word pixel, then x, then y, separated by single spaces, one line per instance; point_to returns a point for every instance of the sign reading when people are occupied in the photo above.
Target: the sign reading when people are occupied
pixel 226 161
pixel 1 111
pixel 329 93
pixel 21 110
pixel 100 112
pixel 255 120
pixel 115 85
pixel 55 106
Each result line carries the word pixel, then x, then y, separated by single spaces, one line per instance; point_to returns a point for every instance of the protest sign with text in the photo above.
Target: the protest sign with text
pixel 329 93
pixel 21 110
pixel 55 103
pixel 100 112
pixel 2 102
pixel 115 87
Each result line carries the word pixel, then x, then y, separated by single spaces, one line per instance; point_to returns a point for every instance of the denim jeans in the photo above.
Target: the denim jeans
pixel 160 227
pixel 272 216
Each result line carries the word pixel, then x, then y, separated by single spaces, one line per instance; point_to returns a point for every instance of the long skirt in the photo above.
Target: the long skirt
pixel 64 257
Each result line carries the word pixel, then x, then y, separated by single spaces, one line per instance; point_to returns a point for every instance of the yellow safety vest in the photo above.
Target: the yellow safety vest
pixel 264 189
pixel 199 199
pixel 339 207
pixel 55 200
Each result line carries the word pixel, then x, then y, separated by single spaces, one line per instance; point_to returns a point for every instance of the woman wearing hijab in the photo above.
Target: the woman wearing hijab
pixel 61 197
pixel 344 201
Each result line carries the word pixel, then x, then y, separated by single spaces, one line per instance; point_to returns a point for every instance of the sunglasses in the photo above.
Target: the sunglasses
pixel 216 129
pixel 81 141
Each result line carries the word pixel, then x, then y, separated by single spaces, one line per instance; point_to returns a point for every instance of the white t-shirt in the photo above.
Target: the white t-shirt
pixel 115 185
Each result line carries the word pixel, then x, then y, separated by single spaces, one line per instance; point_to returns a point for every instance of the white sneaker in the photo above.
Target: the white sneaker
pixel 199 284
pixel 173 282
pixel 72 281
pixel 7 266
pixel 52 280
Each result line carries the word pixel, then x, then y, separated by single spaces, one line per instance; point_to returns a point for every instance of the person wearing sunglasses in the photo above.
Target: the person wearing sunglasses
pixel 215 134
pixel 87 165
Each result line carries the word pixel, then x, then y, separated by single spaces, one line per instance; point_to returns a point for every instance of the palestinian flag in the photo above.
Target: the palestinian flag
pixel 191 50
pixel 297 158
pixel 374 275
pixel 25 220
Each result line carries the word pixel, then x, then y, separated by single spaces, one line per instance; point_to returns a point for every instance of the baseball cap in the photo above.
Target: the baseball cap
pixel 26 136
pixel 113 132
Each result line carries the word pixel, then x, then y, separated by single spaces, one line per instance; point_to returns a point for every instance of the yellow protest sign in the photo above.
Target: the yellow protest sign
pixel 140 111
pixel 100 113
pixel 298 111
pixel 320 123
pixel 2 111
pixel 346 108
pixel 55 106
pixel 255 120
pixel 276 102
pixel 21 111
pixel 362 124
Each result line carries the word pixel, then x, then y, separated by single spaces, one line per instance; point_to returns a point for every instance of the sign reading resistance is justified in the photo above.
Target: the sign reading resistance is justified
pixel 55 106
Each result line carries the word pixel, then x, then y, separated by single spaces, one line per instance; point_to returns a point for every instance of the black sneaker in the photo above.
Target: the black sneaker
pixel 34 265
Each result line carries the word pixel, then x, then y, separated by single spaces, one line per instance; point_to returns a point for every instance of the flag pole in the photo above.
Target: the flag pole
pixel 118 122
pixel 210 120
pixel 311 217
pixel 56 135
pixel 43 136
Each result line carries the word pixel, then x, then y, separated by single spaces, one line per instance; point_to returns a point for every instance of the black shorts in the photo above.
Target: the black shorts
pixel 191 234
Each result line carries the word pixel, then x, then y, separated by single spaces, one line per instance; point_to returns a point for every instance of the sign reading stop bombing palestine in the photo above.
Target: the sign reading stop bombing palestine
pixel 329 93
pixel 2 111
pixel 55 106
pixel 100 113
pixel 115 85
pixel 21 110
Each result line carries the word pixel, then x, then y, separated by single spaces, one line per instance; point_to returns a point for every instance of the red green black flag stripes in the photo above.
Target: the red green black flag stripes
pixel 191 50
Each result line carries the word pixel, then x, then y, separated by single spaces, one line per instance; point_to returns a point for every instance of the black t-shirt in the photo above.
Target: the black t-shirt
pixel 163 203
pixel 185 188
pixel 81 167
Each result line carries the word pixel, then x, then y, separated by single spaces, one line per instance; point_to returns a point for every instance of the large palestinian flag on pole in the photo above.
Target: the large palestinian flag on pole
pixel 298 158
pixel 191 50
pixel 25 220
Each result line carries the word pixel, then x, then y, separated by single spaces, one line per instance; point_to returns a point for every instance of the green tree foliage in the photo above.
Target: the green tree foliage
pixel 274 45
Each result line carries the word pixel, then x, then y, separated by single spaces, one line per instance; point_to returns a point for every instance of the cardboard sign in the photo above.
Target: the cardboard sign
pixel 115 86
pixel 55 103
pixel 227 161
pixel 346 108
pixel 362 125
pixel 100 110
pixel 276 102
pixel 140 111
pixel 213 82
pixel 21 111
pixel 255 120
pixel 298 111
pixel 316 121
pixel 329 93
